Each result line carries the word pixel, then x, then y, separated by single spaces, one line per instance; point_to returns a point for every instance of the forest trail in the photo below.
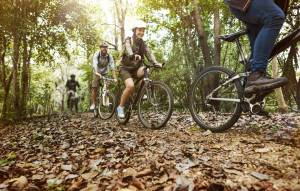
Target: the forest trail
pixel 80 152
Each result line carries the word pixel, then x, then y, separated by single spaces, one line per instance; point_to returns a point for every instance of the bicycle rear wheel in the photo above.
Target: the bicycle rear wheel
pixel 106 106
pixel 215 100
pixel 155 105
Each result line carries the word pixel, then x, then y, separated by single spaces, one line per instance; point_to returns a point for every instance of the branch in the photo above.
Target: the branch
pixel 115 46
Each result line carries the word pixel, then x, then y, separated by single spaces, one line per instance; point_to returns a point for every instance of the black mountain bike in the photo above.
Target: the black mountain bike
pixel 73 101
pixel 106 101
pixel 154 101
pixel 216 97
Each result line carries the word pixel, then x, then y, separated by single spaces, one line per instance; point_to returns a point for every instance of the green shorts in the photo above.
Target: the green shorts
pixel 96 81
pixel 125 74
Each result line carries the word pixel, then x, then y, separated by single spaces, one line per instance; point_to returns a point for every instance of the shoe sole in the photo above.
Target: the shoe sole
pixel 268 87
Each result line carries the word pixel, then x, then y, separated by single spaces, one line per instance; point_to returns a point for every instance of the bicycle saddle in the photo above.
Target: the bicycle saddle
pixel 232 37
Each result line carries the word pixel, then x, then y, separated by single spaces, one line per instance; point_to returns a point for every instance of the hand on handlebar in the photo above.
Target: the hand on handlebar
pixel 137 57
pixel 158 65
pixel 98 74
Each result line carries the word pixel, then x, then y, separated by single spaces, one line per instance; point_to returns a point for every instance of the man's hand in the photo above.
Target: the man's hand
pixel 158 65
pixel 137 57
pixel 98 74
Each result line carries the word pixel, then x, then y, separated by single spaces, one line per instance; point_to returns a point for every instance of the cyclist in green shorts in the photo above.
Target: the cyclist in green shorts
pixel 131 67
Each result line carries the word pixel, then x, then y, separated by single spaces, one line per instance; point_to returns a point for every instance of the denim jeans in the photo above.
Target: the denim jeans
pixel 263 20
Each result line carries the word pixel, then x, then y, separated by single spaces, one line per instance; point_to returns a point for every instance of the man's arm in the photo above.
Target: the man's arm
pixel 95 61
pixel 67 85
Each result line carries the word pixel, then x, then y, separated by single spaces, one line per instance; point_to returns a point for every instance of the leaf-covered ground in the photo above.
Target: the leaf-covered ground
pixel 79 152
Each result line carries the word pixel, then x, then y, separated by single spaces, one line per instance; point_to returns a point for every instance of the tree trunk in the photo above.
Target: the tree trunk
pixel 290 73
pixel 6 94
pixel 25 77
pixel 217 41
pixel 116 33
pixel 298 94
pixel 282 106
pixel 16 85
pixel 121 10
pixel 201 35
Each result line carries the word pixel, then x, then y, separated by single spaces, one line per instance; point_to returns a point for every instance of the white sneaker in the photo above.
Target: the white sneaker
pixel 92 107
pixel 145 97
pixel 120 111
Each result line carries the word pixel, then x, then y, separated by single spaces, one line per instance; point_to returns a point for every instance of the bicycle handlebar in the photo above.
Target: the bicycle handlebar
pixel 154 66
pixel 107 79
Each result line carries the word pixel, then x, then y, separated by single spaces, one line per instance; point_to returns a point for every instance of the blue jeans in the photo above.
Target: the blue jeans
pixel 264 20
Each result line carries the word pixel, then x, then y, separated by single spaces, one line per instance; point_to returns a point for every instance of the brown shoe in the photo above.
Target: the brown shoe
pixel 258 81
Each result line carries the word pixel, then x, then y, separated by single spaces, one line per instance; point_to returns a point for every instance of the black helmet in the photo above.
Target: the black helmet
pixel 72 75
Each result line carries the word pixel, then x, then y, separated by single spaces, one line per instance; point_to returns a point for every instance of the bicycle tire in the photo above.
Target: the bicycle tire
pixel 238 110
pixel 112 105
pixel 169 93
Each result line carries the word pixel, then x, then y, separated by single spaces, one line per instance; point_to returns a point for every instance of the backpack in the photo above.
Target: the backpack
pixel 98 58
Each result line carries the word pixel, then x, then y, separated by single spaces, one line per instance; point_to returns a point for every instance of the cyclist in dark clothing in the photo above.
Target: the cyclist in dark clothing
pixel 263 19
pixel 71 86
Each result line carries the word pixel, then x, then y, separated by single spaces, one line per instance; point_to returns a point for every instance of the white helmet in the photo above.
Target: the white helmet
pixel 139 24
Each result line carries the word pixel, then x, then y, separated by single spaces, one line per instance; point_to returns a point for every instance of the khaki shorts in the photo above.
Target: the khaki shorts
pixel 96 81
pixel 125 74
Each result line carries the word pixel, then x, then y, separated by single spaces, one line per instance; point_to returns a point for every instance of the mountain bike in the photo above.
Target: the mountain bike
pixel 153 99
pixel 217 98
pixel 106 101
pixel 73 101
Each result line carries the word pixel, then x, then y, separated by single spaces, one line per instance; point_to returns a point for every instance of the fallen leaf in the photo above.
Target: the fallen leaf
pixel 91 187
pixel 19 183
pixel 145 172
pixel 260 176
pixel 262 150
pixel 66 167
pixel 90 175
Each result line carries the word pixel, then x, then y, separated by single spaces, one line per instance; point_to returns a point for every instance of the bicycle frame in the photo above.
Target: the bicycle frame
pixel 281 46
pixel 142 82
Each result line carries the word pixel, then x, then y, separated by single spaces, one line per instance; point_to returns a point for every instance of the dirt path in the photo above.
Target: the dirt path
pixel 79 152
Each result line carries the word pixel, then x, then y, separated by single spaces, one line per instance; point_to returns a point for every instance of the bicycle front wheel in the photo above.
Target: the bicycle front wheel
pixel 106 106
pixel 215 99
pixel 155 105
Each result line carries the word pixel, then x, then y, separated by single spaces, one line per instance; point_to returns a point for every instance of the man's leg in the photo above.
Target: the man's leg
pixel 94 93
pixel 267 14
pixel 68 100
pixel 272 19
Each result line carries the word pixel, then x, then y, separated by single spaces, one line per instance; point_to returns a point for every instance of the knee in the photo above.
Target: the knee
pixel 130 87
pixel 275 19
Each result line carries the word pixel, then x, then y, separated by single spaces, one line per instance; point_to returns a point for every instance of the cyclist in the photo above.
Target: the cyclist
pixel 263 19
pixel 71 86
pixel 102 63
pixel 131 67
